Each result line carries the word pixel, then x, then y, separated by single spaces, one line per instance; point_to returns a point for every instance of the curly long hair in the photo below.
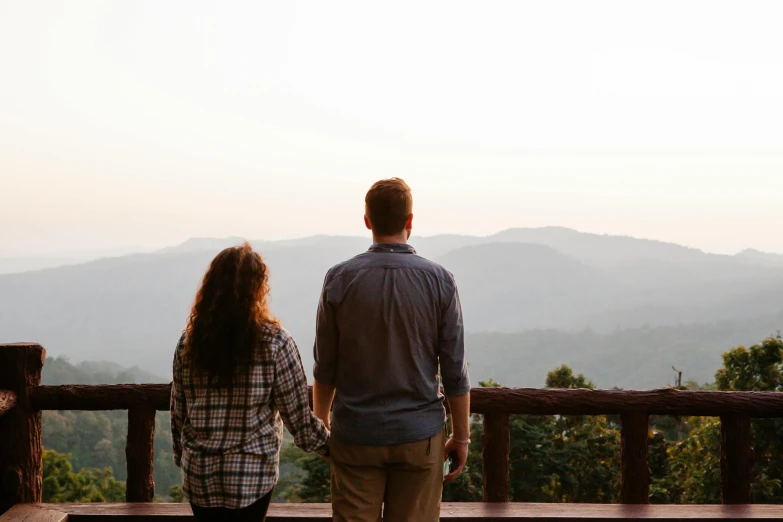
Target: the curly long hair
pixel 229 316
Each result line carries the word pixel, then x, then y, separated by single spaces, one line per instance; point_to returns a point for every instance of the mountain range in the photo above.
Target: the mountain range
pixel 534 297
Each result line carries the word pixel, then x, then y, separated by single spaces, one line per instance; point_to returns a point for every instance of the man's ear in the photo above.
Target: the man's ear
pixel 409 222
pixel 367 223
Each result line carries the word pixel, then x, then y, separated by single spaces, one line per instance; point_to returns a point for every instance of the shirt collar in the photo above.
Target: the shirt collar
pixel 397 248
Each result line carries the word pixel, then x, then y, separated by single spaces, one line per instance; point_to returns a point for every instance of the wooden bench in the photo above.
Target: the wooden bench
pixel 467 512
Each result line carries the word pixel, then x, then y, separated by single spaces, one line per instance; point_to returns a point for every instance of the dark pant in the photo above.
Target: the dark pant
pixel 253 513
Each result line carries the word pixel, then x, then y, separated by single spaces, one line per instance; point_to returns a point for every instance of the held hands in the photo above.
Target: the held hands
pixel 459 452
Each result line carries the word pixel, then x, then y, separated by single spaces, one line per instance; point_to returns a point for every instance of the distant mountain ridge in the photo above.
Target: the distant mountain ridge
pixel 132 309
pixel 756 256
pixel 599 248
pixel 15 262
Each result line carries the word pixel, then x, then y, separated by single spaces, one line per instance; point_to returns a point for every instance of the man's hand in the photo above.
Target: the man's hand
pixel 460 454
pixel 460 419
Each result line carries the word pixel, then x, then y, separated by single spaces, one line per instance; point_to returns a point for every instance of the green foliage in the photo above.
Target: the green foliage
pixel 312 484
pixel 61 484
pixel 563 377
pixel 658 461
pixel 754 369
pixel 553 458
pixel 583 451
pixel 469 486
pixel 694 466
pixel 760 368
pixel 176 494
pixel 531 463
pixel 694 462
pixel 96 439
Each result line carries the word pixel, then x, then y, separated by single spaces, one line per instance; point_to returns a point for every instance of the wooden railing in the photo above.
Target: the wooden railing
pixel 22 399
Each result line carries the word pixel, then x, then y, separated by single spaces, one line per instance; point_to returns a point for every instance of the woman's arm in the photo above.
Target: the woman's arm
pixel 177 404
pixel 290 396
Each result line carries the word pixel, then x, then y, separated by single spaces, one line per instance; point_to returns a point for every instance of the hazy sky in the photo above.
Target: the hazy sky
pixel 150 122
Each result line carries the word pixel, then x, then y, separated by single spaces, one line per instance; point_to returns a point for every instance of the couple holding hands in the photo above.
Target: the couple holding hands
pixel 389 344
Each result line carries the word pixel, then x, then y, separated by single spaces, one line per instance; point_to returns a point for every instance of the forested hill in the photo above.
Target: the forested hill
pixel 96 439
pixel 59 370
pixel 633 359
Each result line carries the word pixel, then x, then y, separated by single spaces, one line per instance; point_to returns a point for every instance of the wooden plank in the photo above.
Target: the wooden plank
pixel 452 511
pixel 666 401
pixel 7 401
pixel 527 401
pixel 108 397
pixel 21 468
pixel 635 488
pixel 33 512
pixel 736 459
pixel 140 454
pixel 496 444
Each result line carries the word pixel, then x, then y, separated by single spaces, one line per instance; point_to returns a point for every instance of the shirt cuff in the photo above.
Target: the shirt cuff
pixel 456 389
pixel 323 374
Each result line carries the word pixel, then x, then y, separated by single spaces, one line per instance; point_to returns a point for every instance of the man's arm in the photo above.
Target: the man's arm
pixel 458 443
pixel 327 338
pixel 456 382
pixel 323 396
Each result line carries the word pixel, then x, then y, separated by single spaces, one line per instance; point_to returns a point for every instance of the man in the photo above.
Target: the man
pixel 388 321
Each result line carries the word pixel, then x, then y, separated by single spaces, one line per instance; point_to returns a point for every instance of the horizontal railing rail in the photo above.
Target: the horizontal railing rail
pixel 521 401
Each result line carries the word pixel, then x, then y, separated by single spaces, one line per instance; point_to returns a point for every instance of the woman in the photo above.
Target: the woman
pixel 236 373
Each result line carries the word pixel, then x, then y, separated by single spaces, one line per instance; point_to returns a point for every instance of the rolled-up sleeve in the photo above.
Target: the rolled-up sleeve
pixel 327 338
pixel 290 396
pixel 451 345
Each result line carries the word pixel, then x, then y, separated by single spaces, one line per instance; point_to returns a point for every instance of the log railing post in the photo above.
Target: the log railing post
pixel 140 454
pixel 496 444
pixel 21 469
pixel 736 459
pixel 635 487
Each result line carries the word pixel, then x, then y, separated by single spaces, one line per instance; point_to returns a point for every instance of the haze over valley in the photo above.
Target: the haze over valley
pixel 619 309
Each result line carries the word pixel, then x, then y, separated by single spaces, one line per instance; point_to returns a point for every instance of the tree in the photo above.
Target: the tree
pixel 694 462
pixel 314 485
pixel 693 465
pixel 96 439
pixel 755 369
pixel 584 452
pixel 176 494
pixel 563 377
pixel 61 484
pixel 760 368
pixel 553 459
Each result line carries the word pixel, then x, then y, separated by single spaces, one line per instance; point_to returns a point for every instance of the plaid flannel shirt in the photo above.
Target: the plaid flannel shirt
pixel 227 440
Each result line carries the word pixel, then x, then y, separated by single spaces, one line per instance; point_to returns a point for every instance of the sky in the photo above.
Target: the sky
pixel 148 122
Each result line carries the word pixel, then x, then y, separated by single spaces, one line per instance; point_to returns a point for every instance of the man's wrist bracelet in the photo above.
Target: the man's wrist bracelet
pixel 458 441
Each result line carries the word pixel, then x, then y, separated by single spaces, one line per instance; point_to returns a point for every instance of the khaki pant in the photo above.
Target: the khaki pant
pixel 407 480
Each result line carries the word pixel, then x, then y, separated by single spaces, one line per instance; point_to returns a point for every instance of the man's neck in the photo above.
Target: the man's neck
pixel 398 238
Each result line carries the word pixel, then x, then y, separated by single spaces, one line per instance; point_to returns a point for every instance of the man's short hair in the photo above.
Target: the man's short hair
pixel 388 204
